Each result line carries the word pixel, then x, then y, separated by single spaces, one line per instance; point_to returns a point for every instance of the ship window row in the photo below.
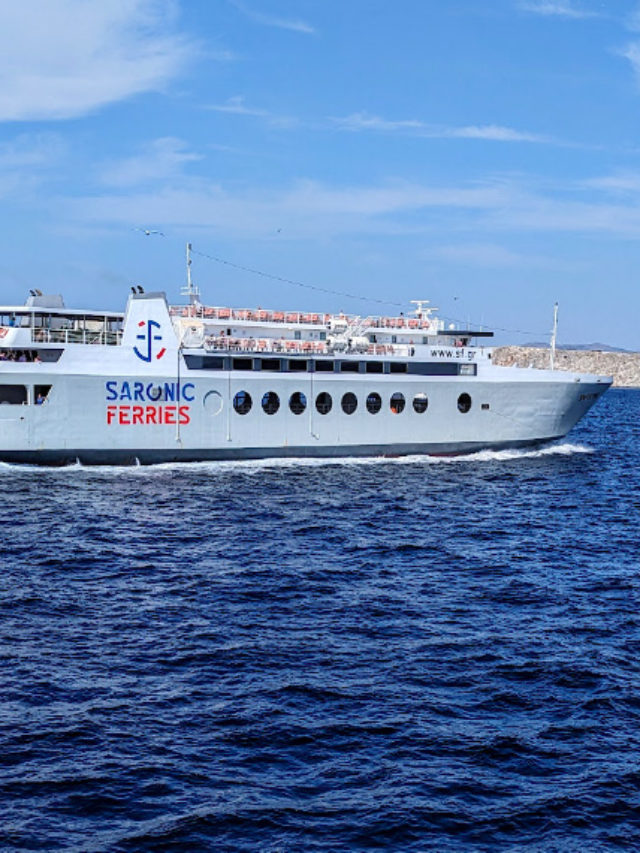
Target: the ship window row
pixel 314 365
pixel 22 355
pixel 397 403
pixel 22 395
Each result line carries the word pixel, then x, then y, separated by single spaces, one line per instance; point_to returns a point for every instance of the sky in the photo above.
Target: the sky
pixel 329 155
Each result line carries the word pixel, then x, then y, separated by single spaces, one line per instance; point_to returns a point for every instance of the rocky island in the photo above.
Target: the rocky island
pixel 623 366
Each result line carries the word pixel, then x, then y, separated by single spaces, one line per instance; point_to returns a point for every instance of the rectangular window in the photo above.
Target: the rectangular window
pixel 373 366
pixel 243 364
pixel 398 367
pixel 298 364
pixel 13 395
pixel 297 335
pixel 350 366
pixel 204 362
pixel 485 406
pixel 40 394
pixel 323 336
pixel 468 369
pixel 270 364
pixel 326 366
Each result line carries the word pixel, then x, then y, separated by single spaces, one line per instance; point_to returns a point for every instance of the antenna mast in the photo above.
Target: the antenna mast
pixel 190 290
pixel 554 333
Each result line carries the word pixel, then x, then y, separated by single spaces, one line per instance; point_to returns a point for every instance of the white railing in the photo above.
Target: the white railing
pixel 75 336
pixel 247 315
pixel 280 346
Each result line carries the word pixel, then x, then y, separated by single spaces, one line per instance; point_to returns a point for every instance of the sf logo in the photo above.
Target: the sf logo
pixel 149 337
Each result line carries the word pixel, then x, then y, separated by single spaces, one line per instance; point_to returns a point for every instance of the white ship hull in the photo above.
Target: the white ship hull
pixel 105 406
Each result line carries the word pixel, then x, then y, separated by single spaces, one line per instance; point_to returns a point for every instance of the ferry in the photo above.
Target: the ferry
pixel 162 383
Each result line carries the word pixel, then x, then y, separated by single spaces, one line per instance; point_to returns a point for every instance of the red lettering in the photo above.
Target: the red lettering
pixel 185 418
pixel 169 414
pixel 138 415
pixel 111 413
pixel 151 415
pixel 123 415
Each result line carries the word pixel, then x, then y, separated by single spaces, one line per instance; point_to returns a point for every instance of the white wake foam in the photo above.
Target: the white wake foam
pixel 258 465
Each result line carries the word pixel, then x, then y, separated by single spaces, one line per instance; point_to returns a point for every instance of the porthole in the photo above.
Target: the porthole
pixel 270 402
pixel 464 403
pixel 324 403
pixel 349 403
pixel 212 402
pixel 397 403
pixel 297 402
pixel 420 403
pixel 242 402
pixel 374 403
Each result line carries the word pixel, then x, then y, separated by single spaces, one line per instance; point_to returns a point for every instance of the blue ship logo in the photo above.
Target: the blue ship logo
pixel 149 337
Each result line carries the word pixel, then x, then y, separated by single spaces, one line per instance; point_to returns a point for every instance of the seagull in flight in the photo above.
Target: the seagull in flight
pixel 149 231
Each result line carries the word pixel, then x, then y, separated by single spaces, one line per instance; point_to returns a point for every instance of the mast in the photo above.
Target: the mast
pixel 190 289
pixel 554 333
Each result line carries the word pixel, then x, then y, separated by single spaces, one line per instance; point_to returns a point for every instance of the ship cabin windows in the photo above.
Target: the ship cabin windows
pixel 41 394
pixel 298 364
pixel 420 403
pixel 242 402
pixel 13 395
pixel 30 355
pixel 374 367
pixel 269 363
pixel 349 403
pixel 464 403
pixel 374 403
pixel 270 402
pixel 397 403
pixel 349 367
pixel 324 403
pixel 297 402
pixel 398 367
pixel 324 366
pixel 243 364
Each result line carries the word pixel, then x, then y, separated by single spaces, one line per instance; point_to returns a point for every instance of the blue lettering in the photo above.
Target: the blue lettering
pixel 158 392
pixel 138 391
pixel 170 391
pixel 185 396
pixel 125 391
pixel 112 390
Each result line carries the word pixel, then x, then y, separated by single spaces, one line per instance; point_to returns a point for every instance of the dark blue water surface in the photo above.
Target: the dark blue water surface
pixel 368 655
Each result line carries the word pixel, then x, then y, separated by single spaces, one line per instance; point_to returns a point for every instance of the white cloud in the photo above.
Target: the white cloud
pixel 27 161
pixel 237 106
pixel 312 210
pixel 365 122
pixel 159 160
pixel 295 25
pixel 621 183
pixel 305 209
pixel 495 133
pixel 65 58
pixel 559 8
pixel 632 53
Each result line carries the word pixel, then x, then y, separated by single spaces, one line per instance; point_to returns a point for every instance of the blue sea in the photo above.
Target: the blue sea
pixel 412 654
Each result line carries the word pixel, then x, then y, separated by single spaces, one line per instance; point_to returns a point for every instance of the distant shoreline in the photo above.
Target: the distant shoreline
pixel 623 366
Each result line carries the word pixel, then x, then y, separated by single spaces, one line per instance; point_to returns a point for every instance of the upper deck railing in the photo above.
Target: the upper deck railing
pixel 76 336
pixel 282 345
pixel 246 315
